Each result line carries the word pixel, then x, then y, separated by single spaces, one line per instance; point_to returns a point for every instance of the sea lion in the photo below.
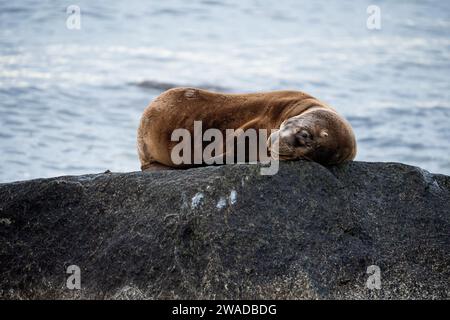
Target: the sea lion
pixel 306 128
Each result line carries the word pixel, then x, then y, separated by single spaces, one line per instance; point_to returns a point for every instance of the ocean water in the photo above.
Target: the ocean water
pixel 70 100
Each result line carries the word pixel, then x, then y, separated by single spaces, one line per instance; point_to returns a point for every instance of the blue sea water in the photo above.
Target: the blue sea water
pixel 70 100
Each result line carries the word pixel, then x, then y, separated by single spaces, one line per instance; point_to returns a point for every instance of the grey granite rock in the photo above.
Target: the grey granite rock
pixel 228 232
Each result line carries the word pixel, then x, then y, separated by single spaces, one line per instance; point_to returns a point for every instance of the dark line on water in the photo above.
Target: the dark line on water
pixel 157 85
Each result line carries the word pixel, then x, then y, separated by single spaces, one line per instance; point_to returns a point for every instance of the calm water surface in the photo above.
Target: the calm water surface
pixel 70 100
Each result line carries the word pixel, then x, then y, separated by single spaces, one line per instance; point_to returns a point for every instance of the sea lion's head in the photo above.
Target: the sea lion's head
pixel 319 135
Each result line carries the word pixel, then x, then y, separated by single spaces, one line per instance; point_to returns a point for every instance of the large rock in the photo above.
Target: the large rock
pixel 228 232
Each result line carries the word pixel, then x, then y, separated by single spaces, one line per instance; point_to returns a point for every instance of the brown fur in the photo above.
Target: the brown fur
pixel 180 107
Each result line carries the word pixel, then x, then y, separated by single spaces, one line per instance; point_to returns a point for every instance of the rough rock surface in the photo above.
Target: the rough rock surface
pixel 228 232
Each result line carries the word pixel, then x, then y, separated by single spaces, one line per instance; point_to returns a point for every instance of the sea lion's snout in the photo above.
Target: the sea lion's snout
pixel 300 139
pixel 290 143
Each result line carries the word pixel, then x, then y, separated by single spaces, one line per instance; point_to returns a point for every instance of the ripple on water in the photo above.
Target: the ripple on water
pixel 72 105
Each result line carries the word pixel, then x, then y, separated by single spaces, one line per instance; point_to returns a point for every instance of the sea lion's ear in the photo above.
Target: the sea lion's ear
pixel 323 133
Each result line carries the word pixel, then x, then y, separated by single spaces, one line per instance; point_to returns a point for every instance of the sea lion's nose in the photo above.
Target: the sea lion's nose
pixel 295 140
pixel 291 140
pixel 300 138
